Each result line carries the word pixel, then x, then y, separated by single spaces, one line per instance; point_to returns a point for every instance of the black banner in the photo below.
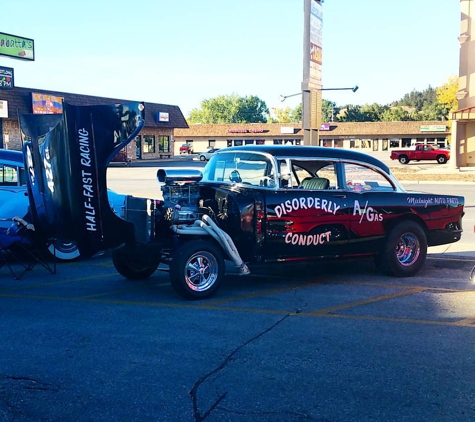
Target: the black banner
pixel 67 163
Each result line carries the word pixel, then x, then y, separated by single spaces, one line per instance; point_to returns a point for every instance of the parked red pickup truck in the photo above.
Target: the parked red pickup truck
pixel 421 152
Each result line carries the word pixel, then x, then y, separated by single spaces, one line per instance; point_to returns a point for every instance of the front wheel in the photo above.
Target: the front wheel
pixel 197 270
pixel 202 158
pixel 135 263
pixel 405 250
pixel 441 159
pixel 404 159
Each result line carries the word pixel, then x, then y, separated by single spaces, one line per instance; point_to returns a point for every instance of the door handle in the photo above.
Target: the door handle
pixel 340 196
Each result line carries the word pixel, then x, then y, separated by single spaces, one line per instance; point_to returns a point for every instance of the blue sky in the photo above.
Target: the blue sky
pixel 183 52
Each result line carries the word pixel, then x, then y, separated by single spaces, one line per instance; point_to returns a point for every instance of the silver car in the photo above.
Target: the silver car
pixel 205 156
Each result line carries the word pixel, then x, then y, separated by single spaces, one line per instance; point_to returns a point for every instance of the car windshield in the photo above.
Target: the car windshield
pixel 253 169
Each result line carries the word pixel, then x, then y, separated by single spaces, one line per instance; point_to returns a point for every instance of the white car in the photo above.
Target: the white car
pixel 14 200
pixel 205 156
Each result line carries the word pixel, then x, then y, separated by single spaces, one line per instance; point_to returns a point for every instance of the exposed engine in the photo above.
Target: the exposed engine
pixel 186 213
pixel 181 194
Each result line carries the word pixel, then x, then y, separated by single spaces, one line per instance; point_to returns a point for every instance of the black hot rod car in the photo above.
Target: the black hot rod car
pixel 250 204
pixel 287 203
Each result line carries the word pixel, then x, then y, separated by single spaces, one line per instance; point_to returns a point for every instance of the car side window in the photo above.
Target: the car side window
pixel 8 175
pixel 329 172
pixel 312 174
pixel 360 178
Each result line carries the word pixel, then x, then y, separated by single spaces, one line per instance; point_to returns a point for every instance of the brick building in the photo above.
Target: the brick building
pixel 366 136
pixel 155 140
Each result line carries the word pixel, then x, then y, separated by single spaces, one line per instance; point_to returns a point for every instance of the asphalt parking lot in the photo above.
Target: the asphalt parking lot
pixel 328 342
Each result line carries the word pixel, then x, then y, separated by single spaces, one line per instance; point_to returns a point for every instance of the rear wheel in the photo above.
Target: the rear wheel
pixel 404 159
pixel 405 250
pixel 197 270
pixel 202 158
pixel 441 159
pixel 135 263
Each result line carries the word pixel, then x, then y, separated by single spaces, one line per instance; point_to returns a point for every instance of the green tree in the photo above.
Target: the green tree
pixel 281 115
pixel 329 111
pixel 395 114
pixel 230 109
pixel 296 114
pixel 351 113
pixel 418 99
pixel 287 115
pixel 434 111
pixel 372 112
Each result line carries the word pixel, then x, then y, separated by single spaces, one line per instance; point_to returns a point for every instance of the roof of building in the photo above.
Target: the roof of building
pixel 20 102
pixel 336 129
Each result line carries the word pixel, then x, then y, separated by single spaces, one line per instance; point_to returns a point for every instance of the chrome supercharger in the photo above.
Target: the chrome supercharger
pixel 181 193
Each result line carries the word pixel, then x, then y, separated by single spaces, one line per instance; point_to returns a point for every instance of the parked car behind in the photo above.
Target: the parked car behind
pixel 14 199
pixel 205 156
pixel 421 152
pixel 186 149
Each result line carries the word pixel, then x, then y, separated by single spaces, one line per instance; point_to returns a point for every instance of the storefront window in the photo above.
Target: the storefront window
pixel 163 143
pixel 441 142
pixel 278 141
pixel 237 142
pixel 249 142
pixel 148 143
pixel 260 141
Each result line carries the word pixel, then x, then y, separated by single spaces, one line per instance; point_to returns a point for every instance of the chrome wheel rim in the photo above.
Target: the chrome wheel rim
pixel 201 271
pixel 64 250
pixel 408 249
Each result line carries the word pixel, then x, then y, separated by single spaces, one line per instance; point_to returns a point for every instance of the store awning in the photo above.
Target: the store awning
pixel 464 114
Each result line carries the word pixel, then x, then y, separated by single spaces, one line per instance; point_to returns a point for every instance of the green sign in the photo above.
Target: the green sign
pixel 17 47
pixel 433 128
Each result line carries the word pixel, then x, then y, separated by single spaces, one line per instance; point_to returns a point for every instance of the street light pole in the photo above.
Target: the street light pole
pixel 355 88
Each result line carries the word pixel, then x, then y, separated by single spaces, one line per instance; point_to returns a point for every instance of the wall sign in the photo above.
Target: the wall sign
pixel 163 117
pixel 433 128
pixel 6 78
pixel 46 104
pixel 17 47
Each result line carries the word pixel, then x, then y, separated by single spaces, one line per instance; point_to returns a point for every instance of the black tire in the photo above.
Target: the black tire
pixel 405 250
pixel 134 263
pixel 197 270
pixel 404 159
pixel 202 158
pixel 441 159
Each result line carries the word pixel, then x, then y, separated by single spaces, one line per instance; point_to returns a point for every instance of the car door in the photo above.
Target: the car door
pixel 420 153
pixel 306 223
pixel 373 200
